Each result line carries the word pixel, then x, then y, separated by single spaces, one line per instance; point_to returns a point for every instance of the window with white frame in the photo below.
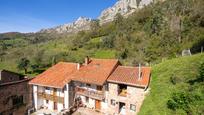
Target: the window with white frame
pixel 113 102
pixel 87 99
pixel 132 107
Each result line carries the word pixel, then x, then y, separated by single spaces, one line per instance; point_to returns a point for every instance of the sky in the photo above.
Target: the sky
pixel 32 15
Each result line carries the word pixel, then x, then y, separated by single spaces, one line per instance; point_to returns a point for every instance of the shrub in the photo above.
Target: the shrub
pixel 175 79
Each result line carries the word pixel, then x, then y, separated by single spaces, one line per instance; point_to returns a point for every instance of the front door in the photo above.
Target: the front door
pixel 55 105
pixel 97 104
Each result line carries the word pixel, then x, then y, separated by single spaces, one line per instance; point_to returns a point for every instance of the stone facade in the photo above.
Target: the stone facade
pixel 16 97
pixel 8 76
pixel 135 96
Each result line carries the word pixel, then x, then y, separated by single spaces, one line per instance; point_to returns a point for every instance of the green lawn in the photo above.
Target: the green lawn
pixel 185 68
pixel 104 54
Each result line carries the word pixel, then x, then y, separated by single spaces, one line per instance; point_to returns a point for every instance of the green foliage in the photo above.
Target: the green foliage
pixel 201 74
pixel 108 41
pixel 149 35
pixel 182 100
pixel 175 79
pixel 24 64
pixel 182 97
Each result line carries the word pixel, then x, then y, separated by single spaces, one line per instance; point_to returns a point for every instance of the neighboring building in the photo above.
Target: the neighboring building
pixel 100 84
pixel 15 93
pixel 8 76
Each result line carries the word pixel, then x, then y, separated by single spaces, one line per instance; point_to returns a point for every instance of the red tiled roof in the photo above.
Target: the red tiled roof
pixel 96 72
pixel 130 75
pixel 56 76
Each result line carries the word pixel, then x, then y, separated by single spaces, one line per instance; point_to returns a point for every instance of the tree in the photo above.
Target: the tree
pixel 201 75
pixel 119 22
pixel 38 57
pixel 95 27
pixel 24 64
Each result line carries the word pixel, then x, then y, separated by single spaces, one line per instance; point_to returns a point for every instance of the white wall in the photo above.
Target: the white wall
pixel 59 106
pixel 35 96
pixel 66 96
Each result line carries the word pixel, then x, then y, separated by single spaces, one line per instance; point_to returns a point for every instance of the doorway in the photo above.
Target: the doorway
pixel 97 104
pixel 122 109
pixel 55 105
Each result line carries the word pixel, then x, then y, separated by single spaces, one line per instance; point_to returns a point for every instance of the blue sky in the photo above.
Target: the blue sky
pixel 33 15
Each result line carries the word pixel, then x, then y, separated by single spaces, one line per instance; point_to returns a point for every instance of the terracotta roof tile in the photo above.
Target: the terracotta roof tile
pixel 56 76
pixel 130 75
pixel 96 72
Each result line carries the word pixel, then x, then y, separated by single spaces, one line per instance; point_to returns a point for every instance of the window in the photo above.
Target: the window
pixel 122 90
pixel 105 100
pixel 18 100
pixel 113 102
pixel 47 88
pixel 89 85
pixel 99 88
pixel 87 99
pixel 132 107
pixel 47 101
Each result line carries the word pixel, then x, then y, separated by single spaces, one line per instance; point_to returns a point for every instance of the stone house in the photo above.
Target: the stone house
pixel 95 84
pixel 15 93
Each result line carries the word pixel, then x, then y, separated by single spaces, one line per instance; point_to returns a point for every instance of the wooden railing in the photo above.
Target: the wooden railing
pixel 90 93
pixel 51 97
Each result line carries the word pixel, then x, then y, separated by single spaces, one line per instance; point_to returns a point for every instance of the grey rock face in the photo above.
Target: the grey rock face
pixel 80 24
pixel 124 7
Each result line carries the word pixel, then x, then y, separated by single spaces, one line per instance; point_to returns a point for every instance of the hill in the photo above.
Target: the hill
pixel 172 78
pixel 149 35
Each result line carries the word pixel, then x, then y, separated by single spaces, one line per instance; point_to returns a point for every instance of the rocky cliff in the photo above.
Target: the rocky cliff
pixel 124 7
pixel 82 23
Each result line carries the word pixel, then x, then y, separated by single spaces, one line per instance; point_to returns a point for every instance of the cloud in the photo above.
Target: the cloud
pixel 22 23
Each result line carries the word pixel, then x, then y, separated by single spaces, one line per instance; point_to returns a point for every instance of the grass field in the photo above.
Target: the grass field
pixel 185 68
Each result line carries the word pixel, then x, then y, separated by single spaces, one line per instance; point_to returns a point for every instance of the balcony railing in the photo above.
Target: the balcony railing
pixel 90 93
pixel 51 97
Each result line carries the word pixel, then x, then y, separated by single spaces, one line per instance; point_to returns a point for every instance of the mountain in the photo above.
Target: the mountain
pixel 123 7
pixel 82 23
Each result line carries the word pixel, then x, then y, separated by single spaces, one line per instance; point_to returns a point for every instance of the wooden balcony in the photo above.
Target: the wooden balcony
pixel 50 97
pixel 99 95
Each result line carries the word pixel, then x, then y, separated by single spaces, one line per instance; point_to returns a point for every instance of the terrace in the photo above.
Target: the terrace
pixel 96 94
pixel 50 97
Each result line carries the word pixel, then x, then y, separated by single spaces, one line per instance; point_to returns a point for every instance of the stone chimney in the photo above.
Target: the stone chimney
pixel 87 60
pixel 139 72
pixel 78 66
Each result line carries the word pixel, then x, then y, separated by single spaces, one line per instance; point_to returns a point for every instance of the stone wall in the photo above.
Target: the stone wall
pixel 134 96
pixel 10 91
pixel 7 76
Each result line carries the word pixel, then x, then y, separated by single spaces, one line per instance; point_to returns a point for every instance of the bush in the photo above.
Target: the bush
pixel 201 76
pixel 182 100
pixel 175 79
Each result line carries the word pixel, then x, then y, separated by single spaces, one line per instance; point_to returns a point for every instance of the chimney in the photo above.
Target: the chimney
pixel 139 72
pixel 87 60
pixel 78 66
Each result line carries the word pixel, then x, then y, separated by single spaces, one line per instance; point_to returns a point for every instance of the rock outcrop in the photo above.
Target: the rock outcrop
pixel 124 7
pixel 82 23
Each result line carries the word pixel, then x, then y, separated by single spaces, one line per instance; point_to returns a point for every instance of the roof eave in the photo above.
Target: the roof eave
pixel 131 84
pixel 47 85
